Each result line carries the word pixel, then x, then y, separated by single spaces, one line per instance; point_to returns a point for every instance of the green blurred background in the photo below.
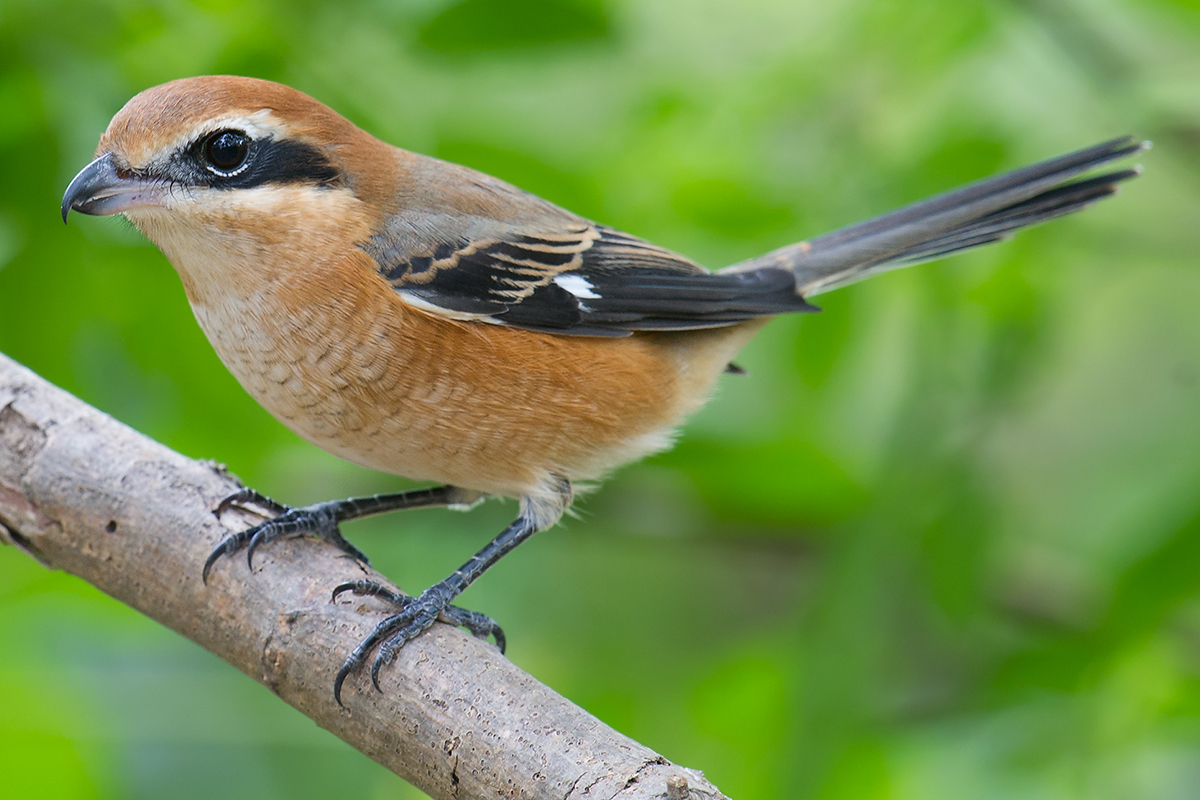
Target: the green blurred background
pixel 942 542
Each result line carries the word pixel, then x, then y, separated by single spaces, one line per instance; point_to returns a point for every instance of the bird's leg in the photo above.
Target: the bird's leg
pixel 417 614
pixel 321 519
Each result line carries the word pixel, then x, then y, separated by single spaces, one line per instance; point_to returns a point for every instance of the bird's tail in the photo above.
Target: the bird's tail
pixel 978 213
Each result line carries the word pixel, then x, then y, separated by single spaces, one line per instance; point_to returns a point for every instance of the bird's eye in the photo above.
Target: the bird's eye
pixel 226 151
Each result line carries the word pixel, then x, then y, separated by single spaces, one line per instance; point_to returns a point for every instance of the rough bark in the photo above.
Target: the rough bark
pixel 83 493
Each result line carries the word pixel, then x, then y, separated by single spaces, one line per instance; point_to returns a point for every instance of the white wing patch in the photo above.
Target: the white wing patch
pixel 577 285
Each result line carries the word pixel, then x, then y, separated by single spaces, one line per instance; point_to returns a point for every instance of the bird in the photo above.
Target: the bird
pixel 424 319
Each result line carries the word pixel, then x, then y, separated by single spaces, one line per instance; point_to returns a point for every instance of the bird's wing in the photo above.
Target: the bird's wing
pixel 569 276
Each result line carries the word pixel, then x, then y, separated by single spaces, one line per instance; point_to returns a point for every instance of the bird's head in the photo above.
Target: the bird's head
pixel 221 169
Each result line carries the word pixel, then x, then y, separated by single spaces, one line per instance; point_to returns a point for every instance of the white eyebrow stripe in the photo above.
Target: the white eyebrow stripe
pixel 258 125
pixel 577 285
pixel 261 124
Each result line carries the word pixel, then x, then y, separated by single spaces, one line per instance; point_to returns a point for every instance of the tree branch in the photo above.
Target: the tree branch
pixel 83 493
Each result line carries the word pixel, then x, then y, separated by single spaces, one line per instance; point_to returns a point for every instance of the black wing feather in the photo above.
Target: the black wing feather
pixel 584 280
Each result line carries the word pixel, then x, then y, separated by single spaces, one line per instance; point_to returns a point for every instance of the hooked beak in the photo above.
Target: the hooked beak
pixel 100 190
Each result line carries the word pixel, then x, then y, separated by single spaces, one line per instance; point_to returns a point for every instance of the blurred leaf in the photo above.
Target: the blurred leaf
pixel 474 27
pixel 770 483
pixel 729 208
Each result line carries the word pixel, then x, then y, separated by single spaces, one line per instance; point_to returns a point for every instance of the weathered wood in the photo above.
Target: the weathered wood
pixel 83 493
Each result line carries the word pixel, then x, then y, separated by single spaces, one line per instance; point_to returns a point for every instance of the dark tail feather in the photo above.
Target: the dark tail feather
pixel 981 212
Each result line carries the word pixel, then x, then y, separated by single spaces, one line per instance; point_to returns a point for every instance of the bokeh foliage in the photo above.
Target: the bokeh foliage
pixel 942 542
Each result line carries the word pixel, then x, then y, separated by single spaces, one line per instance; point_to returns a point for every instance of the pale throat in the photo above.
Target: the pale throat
pixel 229 246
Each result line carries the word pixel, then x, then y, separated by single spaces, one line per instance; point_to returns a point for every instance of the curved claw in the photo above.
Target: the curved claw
pixel 384 633
pixel 350 665
pixel 208 564
pixel 359 656
pixel 342 588
pixel 376 665
pixel 415 617
pixel 228 545
pixel 244 497
pixel 481 626
pixel 413 621
pixel 260 537
pixel 320 520
pixel 371 589
pixel 355 661
pixel 231 500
